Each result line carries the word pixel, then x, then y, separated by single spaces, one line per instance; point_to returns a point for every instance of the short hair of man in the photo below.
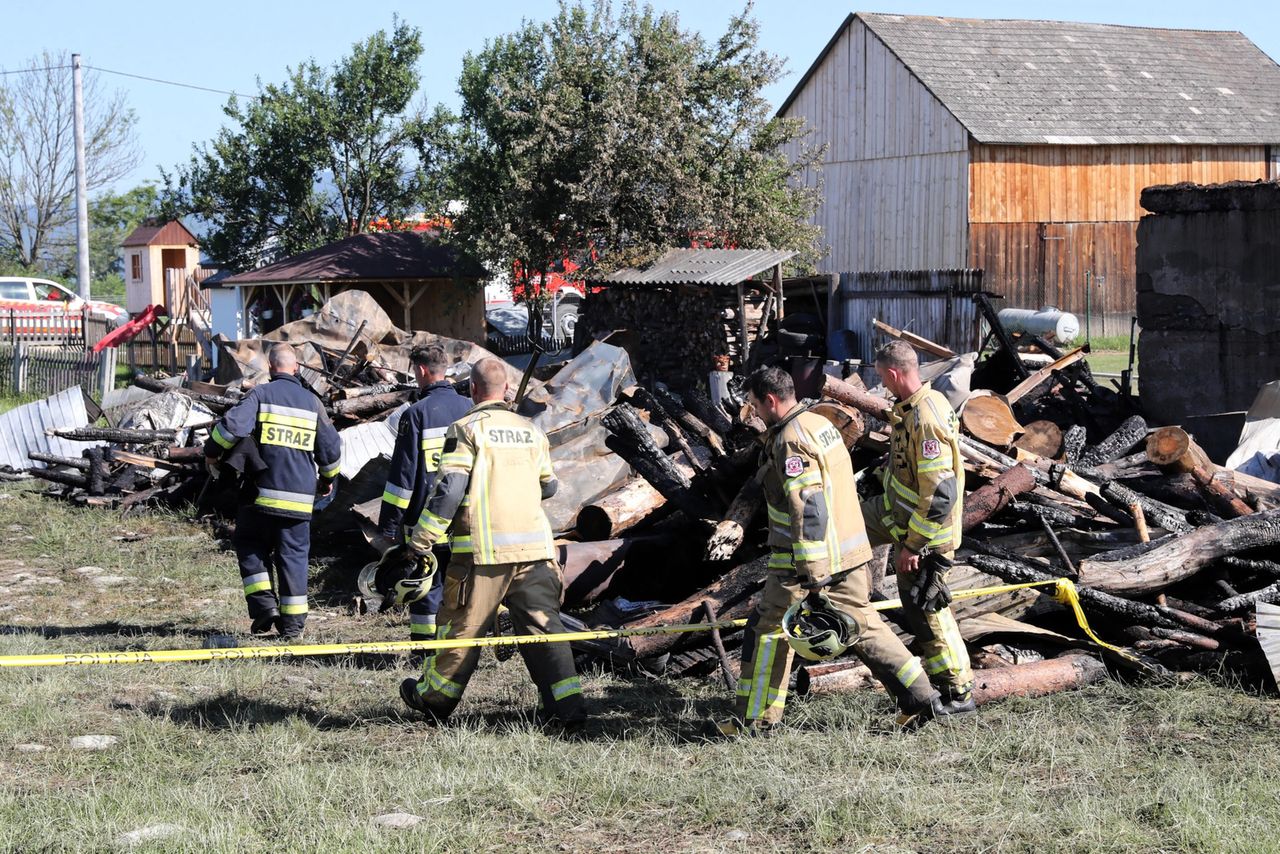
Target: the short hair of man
pixel 899 355
pixel 432 357
pixel 774 381
pixel 489 377
pixel 282 356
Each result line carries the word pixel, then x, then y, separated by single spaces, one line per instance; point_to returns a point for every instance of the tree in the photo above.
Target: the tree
pixel 37 155
pixel 316 158
pixel 616 136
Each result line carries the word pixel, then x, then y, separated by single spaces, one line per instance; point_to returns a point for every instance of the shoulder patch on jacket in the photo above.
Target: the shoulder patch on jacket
pixel 793 466
pixel 930 449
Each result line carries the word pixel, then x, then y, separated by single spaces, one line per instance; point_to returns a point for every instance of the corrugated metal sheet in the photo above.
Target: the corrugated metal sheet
pixel 702 267
pixel 22 430
pixel 364 442
pixel 935 304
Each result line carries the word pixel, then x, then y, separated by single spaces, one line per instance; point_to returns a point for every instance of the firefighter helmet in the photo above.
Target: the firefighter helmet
pixel 404 577
pixel 817 630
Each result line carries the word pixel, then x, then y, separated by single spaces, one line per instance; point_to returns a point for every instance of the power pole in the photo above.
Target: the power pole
pixel 82 193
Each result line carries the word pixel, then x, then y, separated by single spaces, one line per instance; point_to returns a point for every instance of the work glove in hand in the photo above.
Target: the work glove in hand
pixel 929 592
pixel 211 466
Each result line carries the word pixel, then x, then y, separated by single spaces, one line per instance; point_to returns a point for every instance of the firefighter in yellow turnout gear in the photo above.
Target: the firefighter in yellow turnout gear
pixel 920 513
pixel 495 470
pixel 817 542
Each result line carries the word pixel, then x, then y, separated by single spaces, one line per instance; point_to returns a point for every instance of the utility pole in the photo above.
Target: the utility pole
pixel 82 193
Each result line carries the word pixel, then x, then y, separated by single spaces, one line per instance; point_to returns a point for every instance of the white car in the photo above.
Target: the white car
pixel 40 295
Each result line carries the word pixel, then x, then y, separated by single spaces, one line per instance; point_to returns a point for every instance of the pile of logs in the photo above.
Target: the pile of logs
pixel 1170 552
pixel 1064 478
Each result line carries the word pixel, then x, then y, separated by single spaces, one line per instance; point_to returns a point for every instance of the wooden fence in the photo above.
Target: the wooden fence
pixel 27 369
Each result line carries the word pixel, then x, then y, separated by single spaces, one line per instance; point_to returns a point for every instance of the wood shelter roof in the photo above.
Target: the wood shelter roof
pixel 396 256
pixel 172 233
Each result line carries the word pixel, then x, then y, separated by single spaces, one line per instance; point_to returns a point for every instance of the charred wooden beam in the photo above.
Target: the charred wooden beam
pixel 54 460
pixel 119 435
pixel 620 510
pixel 1170 518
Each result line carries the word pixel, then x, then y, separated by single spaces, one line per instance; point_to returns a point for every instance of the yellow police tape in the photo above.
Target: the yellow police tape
pixel 1064 591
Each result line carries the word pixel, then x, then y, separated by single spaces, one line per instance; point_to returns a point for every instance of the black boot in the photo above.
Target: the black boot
pixel 264 625
pixel 409 694
pixel 958 703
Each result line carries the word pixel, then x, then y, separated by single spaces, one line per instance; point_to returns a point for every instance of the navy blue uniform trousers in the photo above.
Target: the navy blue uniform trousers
pixel 264 543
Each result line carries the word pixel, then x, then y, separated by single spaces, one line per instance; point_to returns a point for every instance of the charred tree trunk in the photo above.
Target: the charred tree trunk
pixel 1170 518
pixel 620 510
pixel 1174 450
pixel 54 460
pixel 1175 558
pixel 630 439
pixel 676 409
pixel 1073 442
pixel 371 404
pixel 1126 436
pixel 985 502
pixel 732 529
pixel 860 399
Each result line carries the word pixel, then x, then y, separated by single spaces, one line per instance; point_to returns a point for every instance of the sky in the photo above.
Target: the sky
pixel 230 44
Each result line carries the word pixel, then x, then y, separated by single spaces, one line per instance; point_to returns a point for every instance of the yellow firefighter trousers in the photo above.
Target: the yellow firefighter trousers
pixel 946 659
pixel 766 655
pixel 532 594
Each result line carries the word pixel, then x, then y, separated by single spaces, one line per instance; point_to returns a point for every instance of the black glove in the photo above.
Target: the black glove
pixel 930 592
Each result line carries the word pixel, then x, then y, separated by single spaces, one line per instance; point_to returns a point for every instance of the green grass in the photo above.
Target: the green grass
pixel 254 756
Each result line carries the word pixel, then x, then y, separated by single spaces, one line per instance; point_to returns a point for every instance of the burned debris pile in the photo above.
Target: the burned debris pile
pixel 660 517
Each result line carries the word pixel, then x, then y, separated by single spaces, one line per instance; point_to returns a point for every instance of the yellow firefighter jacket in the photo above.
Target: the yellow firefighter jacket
pixel 815 521
pixel 495 471
pixel 924 482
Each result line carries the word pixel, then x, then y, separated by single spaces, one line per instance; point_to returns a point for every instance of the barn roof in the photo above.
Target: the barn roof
pixel 1052 82
pixel 394 256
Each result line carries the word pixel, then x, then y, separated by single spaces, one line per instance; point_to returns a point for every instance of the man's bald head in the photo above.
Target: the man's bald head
pixel 283 359
pixel 488 380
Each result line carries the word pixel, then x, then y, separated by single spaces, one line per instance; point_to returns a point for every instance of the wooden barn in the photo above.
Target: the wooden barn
pixel 1021 147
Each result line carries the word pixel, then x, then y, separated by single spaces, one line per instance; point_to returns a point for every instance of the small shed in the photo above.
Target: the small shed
pixel 150 252
pixel 421 283
pixel 688 311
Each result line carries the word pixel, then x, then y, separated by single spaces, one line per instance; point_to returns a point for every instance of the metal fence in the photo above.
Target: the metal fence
pixel 54 326
pixel 511 345
pixel 27 369
pixel 936 304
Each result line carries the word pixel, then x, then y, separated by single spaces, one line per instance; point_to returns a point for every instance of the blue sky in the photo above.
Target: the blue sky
pixel 226 44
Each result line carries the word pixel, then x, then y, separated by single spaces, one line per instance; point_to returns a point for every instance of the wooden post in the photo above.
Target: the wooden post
pixel 20 368
pixel 777 287
pixel 744 350
pixel 106 372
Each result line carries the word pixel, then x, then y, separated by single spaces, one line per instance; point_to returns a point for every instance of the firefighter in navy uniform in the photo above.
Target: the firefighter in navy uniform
pixel 920 514
pixel 818 557
pixel 286 426
pixel 494 474
pixel 414 464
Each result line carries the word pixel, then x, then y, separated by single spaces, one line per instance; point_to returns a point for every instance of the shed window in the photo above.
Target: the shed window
pixel 135 262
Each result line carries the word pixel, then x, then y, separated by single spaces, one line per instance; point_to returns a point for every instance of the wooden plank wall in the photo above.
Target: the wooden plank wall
pixel 1099 183
pixel 895 170
pixel 1057 225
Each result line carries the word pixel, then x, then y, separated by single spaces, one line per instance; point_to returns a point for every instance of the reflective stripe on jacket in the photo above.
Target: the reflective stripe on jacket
pixel 924 482
pixel 416 458
pixel 815 520
pixel 295 438
pixel 494 472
